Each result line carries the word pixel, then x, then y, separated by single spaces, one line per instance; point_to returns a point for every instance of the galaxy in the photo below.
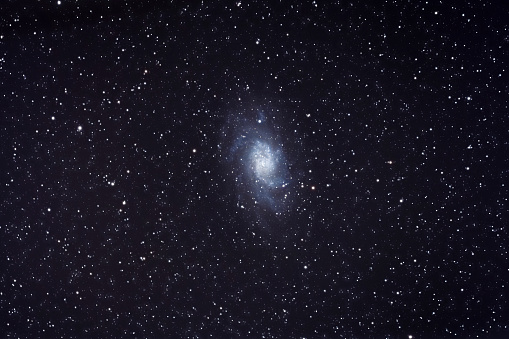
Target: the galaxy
pixel 254 169
pixel 253 150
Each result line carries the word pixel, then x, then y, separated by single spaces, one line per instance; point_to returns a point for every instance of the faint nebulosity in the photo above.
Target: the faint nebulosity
pixel 254 169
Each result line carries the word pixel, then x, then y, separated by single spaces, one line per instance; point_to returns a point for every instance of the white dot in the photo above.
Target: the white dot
pixel 80 128
pixel 59 2
pixel 49 209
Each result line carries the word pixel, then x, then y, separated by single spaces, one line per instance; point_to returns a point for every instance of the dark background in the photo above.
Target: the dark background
pixel 112 226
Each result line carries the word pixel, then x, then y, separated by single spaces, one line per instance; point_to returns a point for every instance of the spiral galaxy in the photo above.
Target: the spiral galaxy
pixel 254 155
pixel 265 163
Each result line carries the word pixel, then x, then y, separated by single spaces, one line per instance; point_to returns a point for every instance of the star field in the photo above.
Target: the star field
pixel 254 169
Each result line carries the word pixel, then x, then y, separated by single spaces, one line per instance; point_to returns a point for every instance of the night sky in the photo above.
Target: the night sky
pixel 262 169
